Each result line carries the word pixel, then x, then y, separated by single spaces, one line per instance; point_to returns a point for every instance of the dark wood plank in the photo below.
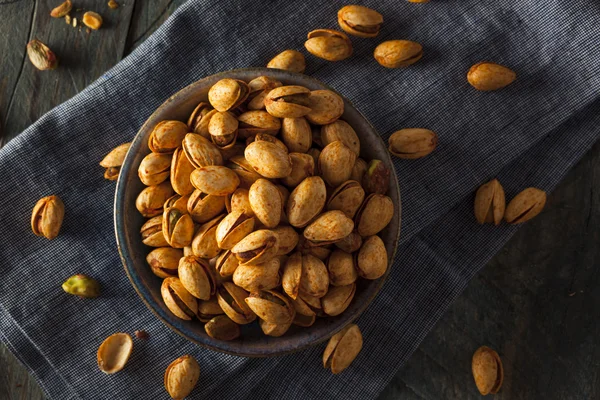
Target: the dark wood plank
pixel 15 381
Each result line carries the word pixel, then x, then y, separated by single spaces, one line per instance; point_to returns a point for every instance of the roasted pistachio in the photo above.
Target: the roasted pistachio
pixel 177 227
pixel 257 248
pixel 314 280
pixel 290 60
pixel 288 238
pixel 82 285
pixel 222 328
pixel 244 170
pixel 377 178
pixel 328 44
pixel 200 118
pixel 204 243
pixel 306 201
pixel 227 263
pixel 490 203
pixel 208 309
pixel 47 216
pixel 524 206
pixel 223 129
pixel 231 299
pixel 337 299
pixel 164 261
pixel 258 121
pixel 177 299
pixel 167 136
pixel 233 228
pixel 197 277
pixel 288 102
pixel 303 166
pixel 200 152
pixel 177 201
pixel 342 349
pixel 487 370
pixel 215 180
pixel 259 88
pixel 266 202
pixel 329 227
pixel 268 159
pixel 228 94
pixel 274 330
pixel 319 250
pixel 305 316
pixel 325 107
pixel 398 53
pixel 113 161
pixel 375 213
pixel 151 232
pixel 350 243
pixel 347 198
pixel 342 270
pixel 488 76
pixel 114 352
pixel 411 143
pixel 155 168
pixel 342 131
pixel 296 134
pixel 358 170
pixel 204 207
pixel 292 273
pixel 336 162
pixel 258 276
pixel 271 306
pixel 181 169
pixel 371 260
pixel 360 21
pixel 181 377
pixel 240 200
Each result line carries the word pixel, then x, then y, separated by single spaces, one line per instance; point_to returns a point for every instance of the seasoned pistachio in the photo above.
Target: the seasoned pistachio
pixel 488 76
pixel 181 169
pixel 328 44
pixel 350 243
pixel 526 205
pixel 114 352
pixel 329 227
pixel 360 21
pixel 375 213
pixel 197 277
pixel 63 9
pixel 244 170
pixel 337 299
pixel 177 299
pixel 113 161
pixel 411 143
pixel 204 243
pixel 215 180
pixel 288 239
pixel 204 207
pixel 371 260
pixel 233 228
pixel 336 162
pixel 314 153
pixel 167 136
pixel 288 102
pixel 222 328
pixel 358 170
pixel 303 166
pixel 228 94
pixel 227 263
pixel 223 129
pixel 342 349
pixel 196 117
pixel 274 330
pixel 151 232
pixel 377 178
pixel 231 299
pixel 208 309
pixel 487 370
pixel 290 60
pixel 342 131
pixel 268 159
pixel 398 53
pixel 47 216
pixel 305 316
pixel 266 202
pixel 314 280
pixel 490 203
pixel 342 270
pixel 181 377
pixel 177 201
pixel 257 248
pixel 82 285
pixel 164 261
pixel 271 306
pixel 347 198
pixel 200 152
pixel 292 273
pixel 258 276
pixel 306 201
pixel 259 88
pixel 296 134
pixel 258 121
pixel 177 227
pixel 326 107
pixel 155 168
pixel 41 56
pixel 240 200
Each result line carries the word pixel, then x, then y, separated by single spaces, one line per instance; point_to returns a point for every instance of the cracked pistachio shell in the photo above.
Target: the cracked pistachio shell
pixel 113 161
pixel 337 299
pixel 177 299
pixel 398 53
pixel 314 280
pixel 47 216
pixel 336 162
pixel 329 227
pixel 360 21
pixel 524 206
pixel 326 107
pixel 328 44
pixel 347 198
pixel 292 273
pixel 305 316
pixel 268 159
pixel 181 376
pixel 258 276
pixel 490 203
pixel 227 263
pixel 231 299
pixel 271 306
pixel 228 94
pixel 240 200
pixel 222 327
pixel 288 102
pixel 164 261
pixel 208 309
pixel 358 170
pixel 487 369
pixel 204 207
pixel 488 76
pixel 201 127
pixel 215 180
pixel 341 268
pixel 204 243
pixel 223 129
pixel 259 88
pixel 350 243
pixel 151 232
pixel 200 152
pixel 342 349
pixel 197 277
pixel 274 330
pixel 244 170
pixel 257 248
pixel 306 201
pixel 114 352
pixel 342 131
pixel 412 143
pixel 303 166
pixel 372 260
pixel 265 200
pixel 177 227
pixel 155 168
pixel 151 200
pixel 201 110
pixel 177 201
pixel 167 136
pixel 296 134
pixel 233 228
pixel 375 214
pixel 288 239
pixel 181 169
pixel 290 60
pixel 258 121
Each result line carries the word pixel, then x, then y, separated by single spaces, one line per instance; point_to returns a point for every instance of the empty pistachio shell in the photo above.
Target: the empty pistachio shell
pixel 329 227
pixel 258 276
pixel 336 162
pixel 342 349
pixel 155 168
pixel 227 94
pixel 411 143
pixel 266 202
pixel 259 88
pixel 358 170
pixel 258 121
pixel 208 309
pixel 164 261
pixel 114 352
pixel 337 299
pixel 306 201
pixel 372 260
pixel 177 227
pixel 347 198
pixel 296 134
pixel 341 268
pixel 350 243
pixel 288 102
pixel 181 377
pixel 177 298
pixel 326 107
pixel 398 53
pixel 204 243
pixel 151 232
pixel 268 159
pixel 167 136
pixel 223 129
pixel 303 166
pixel 181 169
pixel 47 217
pixel 274 330
pixel 113 161
pixel 204 207
pixel 222 328
pixel 227 263
pixel 315 278
pixel 240 201
pixel 233 228
pixel 291 60
pixel 200 152
pixel 487 76
pixel 197 277
pixel 271 306
pixel 231 299
pixel 526 205
pixel 490 203
pixel 360 21
pixel 151 200
pixel 487 370
pixel 342 131
pixel 328 44
pixel 82 285
pixel 292 273
pixel 288 238
pixel 375 213
pixel 215 180
pixel 257 248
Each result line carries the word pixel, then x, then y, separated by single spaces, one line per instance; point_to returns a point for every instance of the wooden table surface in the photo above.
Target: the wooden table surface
pixel 537 302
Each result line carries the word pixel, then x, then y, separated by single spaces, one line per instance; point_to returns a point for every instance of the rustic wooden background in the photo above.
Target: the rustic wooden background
pixel 537 302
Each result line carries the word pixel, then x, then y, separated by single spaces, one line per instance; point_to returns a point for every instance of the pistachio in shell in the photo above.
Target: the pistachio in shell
pixel 197 277
pixel 231 299
pixel 372 260
pixel 177 227
pixel 360 21
pixel 347 198
pixel 259 88
pixel 151 232
pixel 375 214
pixel 195 118
pixel 240 201
pixel 151 200
pixel 525 206
pixel 487 369
pixel 296 134
pixel 314 303
pixel 342 131
pixel 178 201
pixel 274 330
pixel 398 53
pixel 228 94
pixel 314 280
pixel 350 243
pixel 258 121
pixel 336 162
pixel 164 261
pixel 292 273
pixel 321 251
pixel 155 168
pixel 203 207
pixel 303 166
pixel 412 143
pixel 337 299
pixel 208 309
pixel 258 276
pixel 113 161
pixel 222 327
pixel 342 349
pixel 204 243
pixel 233 228
pixel 268 159
pixel 341 268
pixel 257 248
pixel 487 76
pixel 47 217
pixel 306 201
pixel 181 169
pixel 167 136
pixel 265 200
pixel 490 203
pixel 215 180
pixel 329 227
pixel 288 102
pixel 377 178
pixel 82 285
pixel 177 298
pixel 290 60
pixel 328 44
pixel 223 129
pixel 227 263
pixel 271 306
pixel 114 352
pixel 201 152
pixel 288 239
pixel 305 316
pixel 358 170
pixel 244 170
pixel 181 377
pixel 325 107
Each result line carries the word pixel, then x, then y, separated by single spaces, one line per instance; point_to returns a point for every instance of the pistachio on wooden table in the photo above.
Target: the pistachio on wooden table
pixel 487 370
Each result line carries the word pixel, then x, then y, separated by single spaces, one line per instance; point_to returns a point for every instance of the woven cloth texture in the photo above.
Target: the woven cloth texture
pixel 528 134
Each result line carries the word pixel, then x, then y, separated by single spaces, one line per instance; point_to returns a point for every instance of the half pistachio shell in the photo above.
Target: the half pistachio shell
pixel 177 299
pixel 181 169
pixel 204 243
pixel 325 107
pixel 228 94
pixel 164 261
pixel 288 102
pixel 303 166
pixel 113 161
pixel 487 370
pixel 204 207
pixel 155 168
pixel 375 214
pixel 222 327
pixel 167 136
pixel 329 227
pixel 47 217
pixel 258 276
pixel 360 21
pixel 337 299
pixel 200 152
pixel 265 200
pixel 177 201
pixel 290 60
pixel 151 232
pixel 328 44
pixel 257 248
pixel 342 131
pixel 114 352
pixel 347 198
pixel 231 299
pixel 341 268
pixel 372 260
pixel 215 180
pixel 336 162
pixel 257 121
pixel 233 228
pixel 195 118
pixel 296 134
pixel 151 200
pixel 197 277
pixel 177 227
pixel 181 376
pixel 342 349
pixel 398 53
pixel 271 306
pixel 268 159
pixel 306 201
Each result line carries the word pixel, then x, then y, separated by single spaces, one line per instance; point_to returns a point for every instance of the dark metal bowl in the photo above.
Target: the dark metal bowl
pixel 252 343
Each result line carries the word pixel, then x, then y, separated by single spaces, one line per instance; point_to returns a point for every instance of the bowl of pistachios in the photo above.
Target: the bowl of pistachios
pixel 257 212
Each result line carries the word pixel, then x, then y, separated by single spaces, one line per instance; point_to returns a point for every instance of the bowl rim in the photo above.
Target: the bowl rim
pixel 120 234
